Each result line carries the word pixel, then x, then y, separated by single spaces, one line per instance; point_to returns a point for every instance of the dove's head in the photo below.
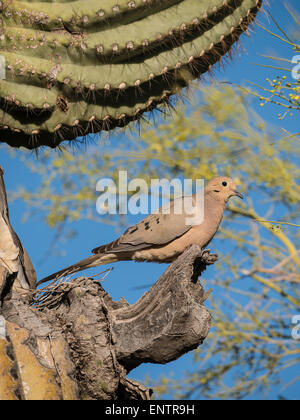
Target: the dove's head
pixel 222 188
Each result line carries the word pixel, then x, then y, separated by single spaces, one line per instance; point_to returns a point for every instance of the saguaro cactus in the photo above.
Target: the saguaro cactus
pixel 79 67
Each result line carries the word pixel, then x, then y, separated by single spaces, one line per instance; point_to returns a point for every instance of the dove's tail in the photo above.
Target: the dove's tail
pixel 90 262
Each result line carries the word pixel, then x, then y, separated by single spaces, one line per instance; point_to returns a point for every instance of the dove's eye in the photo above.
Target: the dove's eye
pixel 224 183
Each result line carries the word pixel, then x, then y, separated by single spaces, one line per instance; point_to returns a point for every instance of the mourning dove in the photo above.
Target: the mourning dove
pixel 163 237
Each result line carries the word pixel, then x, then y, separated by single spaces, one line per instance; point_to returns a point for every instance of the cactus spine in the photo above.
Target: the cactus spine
pixel 79 67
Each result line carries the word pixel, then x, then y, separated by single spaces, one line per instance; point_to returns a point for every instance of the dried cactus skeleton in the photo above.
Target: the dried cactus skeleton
pixel 74 68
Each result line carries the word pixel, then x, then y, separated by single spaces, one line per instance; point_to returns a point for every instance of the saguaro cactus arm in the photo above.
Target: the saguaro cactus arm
pixel 72 70
pixel 77 343
pixel 107 339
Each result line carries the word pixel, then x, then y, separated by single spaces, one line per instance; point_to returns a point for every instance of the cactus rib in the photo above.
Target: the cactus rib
pixel 45 101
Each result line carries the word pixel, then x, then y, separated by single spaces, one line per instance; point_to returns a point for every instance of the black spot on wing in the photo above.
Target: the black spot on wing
pixel 130 231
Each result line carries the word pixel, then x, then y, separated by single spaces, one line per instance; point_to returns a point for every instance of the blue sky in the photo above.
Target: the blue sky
pixel 127 278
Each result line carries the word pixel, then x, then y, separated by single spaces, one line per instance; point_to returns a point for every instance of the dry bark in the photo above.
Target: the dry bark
pixel 72 341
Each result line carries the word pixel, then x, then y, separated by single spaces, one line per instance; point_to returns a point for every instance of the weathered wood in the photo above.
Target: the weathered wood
pixel 103 340
pixel 107 339
pixel 37 353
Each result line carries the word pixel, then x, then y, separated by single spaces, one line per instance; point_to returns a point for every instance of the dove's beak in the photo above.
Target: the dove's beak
pixel 238 194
